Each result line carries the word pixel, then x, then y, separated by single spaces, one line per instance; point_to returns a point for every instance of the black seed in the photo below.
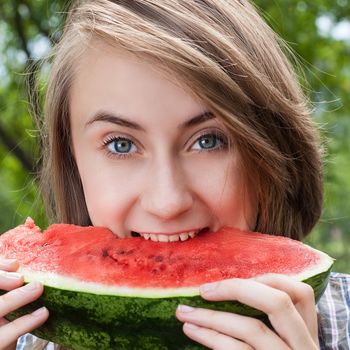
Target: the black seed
pixel 104 252
pixel 158 258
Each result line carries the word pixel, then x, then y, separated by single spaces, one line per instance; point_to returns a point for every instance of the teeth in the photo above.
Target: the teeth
pixel 169 238
pixel 163 238
pixel 174 238
pixel 184 236
pixel 154 237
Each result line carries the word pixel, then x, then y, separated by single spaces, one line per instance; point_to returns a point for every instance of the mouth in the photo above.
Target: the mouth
pixel 169 237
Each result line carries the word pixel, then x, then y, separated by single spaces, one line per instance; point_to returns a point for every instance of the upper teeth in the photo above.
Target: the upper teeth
pixel 169 238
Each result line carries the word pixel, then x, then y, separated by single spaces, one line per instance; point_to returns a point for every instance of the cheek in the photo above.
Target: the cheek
pixel 236 207
pixel 239 204
pixel 223 188
pixel 108 190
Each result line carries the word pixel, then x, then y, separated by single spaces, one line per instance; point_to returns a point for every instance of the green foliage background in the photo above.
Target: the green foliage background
pixel 27 27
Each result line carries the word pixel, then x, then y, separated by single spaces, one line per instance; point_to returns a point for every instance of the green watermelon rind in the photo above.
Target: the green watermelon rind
pixel 86 321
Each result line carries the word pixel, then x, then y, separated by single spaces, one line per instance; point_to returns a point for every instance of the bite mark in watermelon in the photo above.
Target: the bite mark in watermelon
pixel 106 293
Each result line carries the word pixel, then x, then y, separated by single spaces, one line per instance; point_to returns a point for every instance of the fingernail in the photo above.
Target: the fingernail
pixel 185 308
pixel 7 262
pixel 32 286
pixel 191 326
pixel 11 275
pixel 208 287
pixel 39 312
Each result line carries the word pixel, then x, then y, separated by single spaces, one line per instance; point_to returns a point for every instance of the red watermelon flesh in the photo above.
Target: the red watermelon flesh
pixel 95 254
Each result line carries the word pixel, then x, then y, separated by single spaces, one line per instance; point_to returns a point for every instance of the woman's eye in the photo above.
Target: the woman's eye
pixel 121 145
pixel 209 142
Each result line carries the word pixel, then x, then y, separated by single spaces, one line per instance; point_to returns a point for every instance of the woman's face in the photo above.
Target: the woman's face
pixel 152 158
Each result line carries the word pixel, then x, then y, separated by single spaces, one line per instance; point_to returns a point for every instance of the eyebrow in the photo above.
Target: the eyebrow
pixel 102 116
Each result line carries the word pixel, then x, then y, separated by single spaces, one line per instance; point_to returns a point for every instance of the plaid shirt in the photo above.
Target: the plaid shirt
pixel 334 314
pixel 333 319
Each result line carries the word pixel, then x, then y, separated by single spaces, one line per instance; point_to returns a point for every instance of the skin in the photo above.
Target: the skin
pixel 163 178
pixel 16 297
pixel 166 183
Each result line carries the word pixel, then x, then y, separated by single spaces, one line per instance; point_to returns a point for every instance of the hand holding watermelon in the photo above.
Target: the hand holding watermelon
pixel 17 297
pixel 289 304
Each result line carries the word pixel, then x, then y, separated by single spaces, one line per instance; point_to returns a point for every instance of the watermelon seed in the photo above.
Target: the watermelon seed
pixel 158 258
pixel 104 252
pixel 125 251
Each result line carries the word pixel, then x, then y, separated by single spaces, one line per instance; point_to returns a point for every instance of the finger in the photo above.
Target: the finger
pixel 10 280
pixel 19 297
pixel 247 329
pixel 277 304
pixel 11 331
pixel 213 339
pixel 302 296
pixel 8 264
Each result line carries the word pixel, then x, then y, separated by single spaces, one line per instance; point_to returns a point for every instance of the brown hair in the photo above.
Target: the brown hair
pixel 229 57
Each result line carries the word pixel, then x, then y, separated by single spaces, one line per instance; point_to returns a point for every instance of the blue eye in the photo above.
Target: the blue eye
pixel 120 145
pixel 209 142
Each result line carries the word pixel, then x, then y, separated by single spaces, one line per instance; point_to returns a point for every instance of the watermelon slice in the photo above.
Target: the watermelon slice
pixel 106 293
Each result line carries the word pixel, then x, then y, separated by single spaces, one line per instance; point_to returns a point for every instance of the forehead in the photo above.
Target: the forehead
pixel 117 68
pixel 112 79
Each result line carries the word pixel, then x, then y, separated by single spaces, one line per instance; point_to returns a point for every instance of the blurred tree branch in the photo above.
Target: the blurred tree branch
pixel 37 20
pixel 18 26
pixel 16 23
pixel 12 145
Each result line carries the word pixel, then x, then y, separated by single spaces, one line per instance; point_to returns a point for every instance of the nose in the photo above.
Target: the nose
pixel 166 194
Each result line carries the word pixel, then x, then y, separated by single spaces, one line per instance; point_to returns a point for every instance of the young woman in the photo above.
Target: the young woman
pixel 167 117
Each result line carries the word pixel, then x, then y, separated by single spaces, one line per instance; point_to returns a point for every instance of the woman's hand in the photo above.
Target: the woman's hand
pixel 16 297
pixel 290 306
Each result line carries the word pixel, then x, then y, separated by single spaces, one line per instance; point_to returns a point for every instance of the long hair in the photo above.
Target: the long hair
pixel 227 56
